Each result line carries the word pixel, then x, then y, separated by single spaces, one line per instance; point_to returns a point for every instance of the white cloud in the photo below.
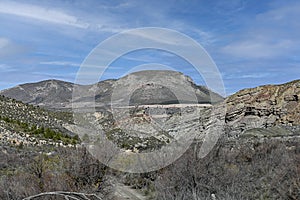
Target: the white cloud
pixel 6 68
pixel 41 13
pixel 258 48
pixel 9 48
pixel 4 42
pixel 61 63
pixel 111 28
pixel 73 64
pixel 271 34
pixel 197 33
pixel 254 75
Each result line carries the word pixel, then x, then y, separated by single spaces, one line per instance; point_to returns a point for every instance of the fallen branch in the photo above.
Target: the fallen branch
pixel 66 195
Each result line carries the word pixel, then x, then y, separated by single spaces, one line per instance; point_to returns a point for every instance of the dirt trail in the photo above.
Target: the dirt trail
pixel 123 192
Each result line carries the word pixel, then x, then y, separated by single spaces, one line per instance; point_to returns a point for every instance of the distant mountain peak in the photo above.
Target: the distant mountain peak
pixel 57 94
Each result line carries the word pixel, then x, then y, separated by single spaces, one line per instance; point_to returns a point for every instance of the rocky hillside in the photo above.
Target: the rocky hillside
pixel 257 158
pixel 162 87
pixel 264 106
pixel 44 93
pixel 24 124
pixel 57 94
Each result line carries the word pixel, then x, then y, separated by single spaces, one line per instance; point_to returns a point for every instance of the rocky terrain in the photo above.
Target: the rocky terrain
pixel 44 93
pixel 55 94
pixel 263 107
pixel 23 124
pixel 256 157
pixel 160 87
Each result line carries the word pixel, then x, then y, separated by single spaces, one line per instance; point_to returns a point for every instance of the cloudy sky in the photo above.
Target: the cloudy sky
pixel 252 42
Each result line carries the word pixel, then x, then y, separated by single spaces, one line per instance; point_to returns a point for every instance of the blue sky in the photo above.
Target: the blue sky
pixel 252 42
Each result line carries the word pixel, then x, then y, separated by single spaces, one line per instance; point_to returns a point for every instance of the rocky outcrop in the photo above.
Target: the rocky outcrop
pixel 263 107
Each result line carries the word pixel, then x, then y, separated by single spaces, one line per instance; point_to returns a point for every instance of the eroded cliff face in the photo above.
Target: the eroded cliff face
pixel 264 106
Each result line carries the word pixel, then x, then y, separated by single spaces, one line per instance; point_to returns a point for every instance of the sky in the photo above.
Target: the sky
pixel 252 42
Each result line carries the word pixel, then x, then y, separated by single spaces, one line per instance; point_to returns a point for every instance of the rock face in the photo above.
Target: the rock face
pixel 160 87
pixel 55 94
pixel 264 106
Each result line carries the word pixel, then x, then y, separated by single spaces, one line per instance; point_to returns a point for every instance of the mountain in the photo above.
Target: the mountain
pixel 163 87
pixel 55 94
pixel 257 153
pixel 263 106
pixel 45 93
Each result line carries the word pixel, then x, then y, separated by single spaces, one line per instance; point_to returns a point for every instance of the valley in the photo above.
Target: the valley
pixel 256 151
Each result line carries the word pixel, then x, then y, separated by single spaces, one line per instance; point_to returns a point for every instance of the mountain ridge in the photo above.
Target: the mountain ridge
pixel 261 135
pixel 57 94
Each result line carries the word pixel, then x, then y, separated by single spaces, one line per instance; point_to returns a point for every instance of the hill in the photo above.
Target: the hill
pixel 55 94
pixel 24 124
pixel 256 156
